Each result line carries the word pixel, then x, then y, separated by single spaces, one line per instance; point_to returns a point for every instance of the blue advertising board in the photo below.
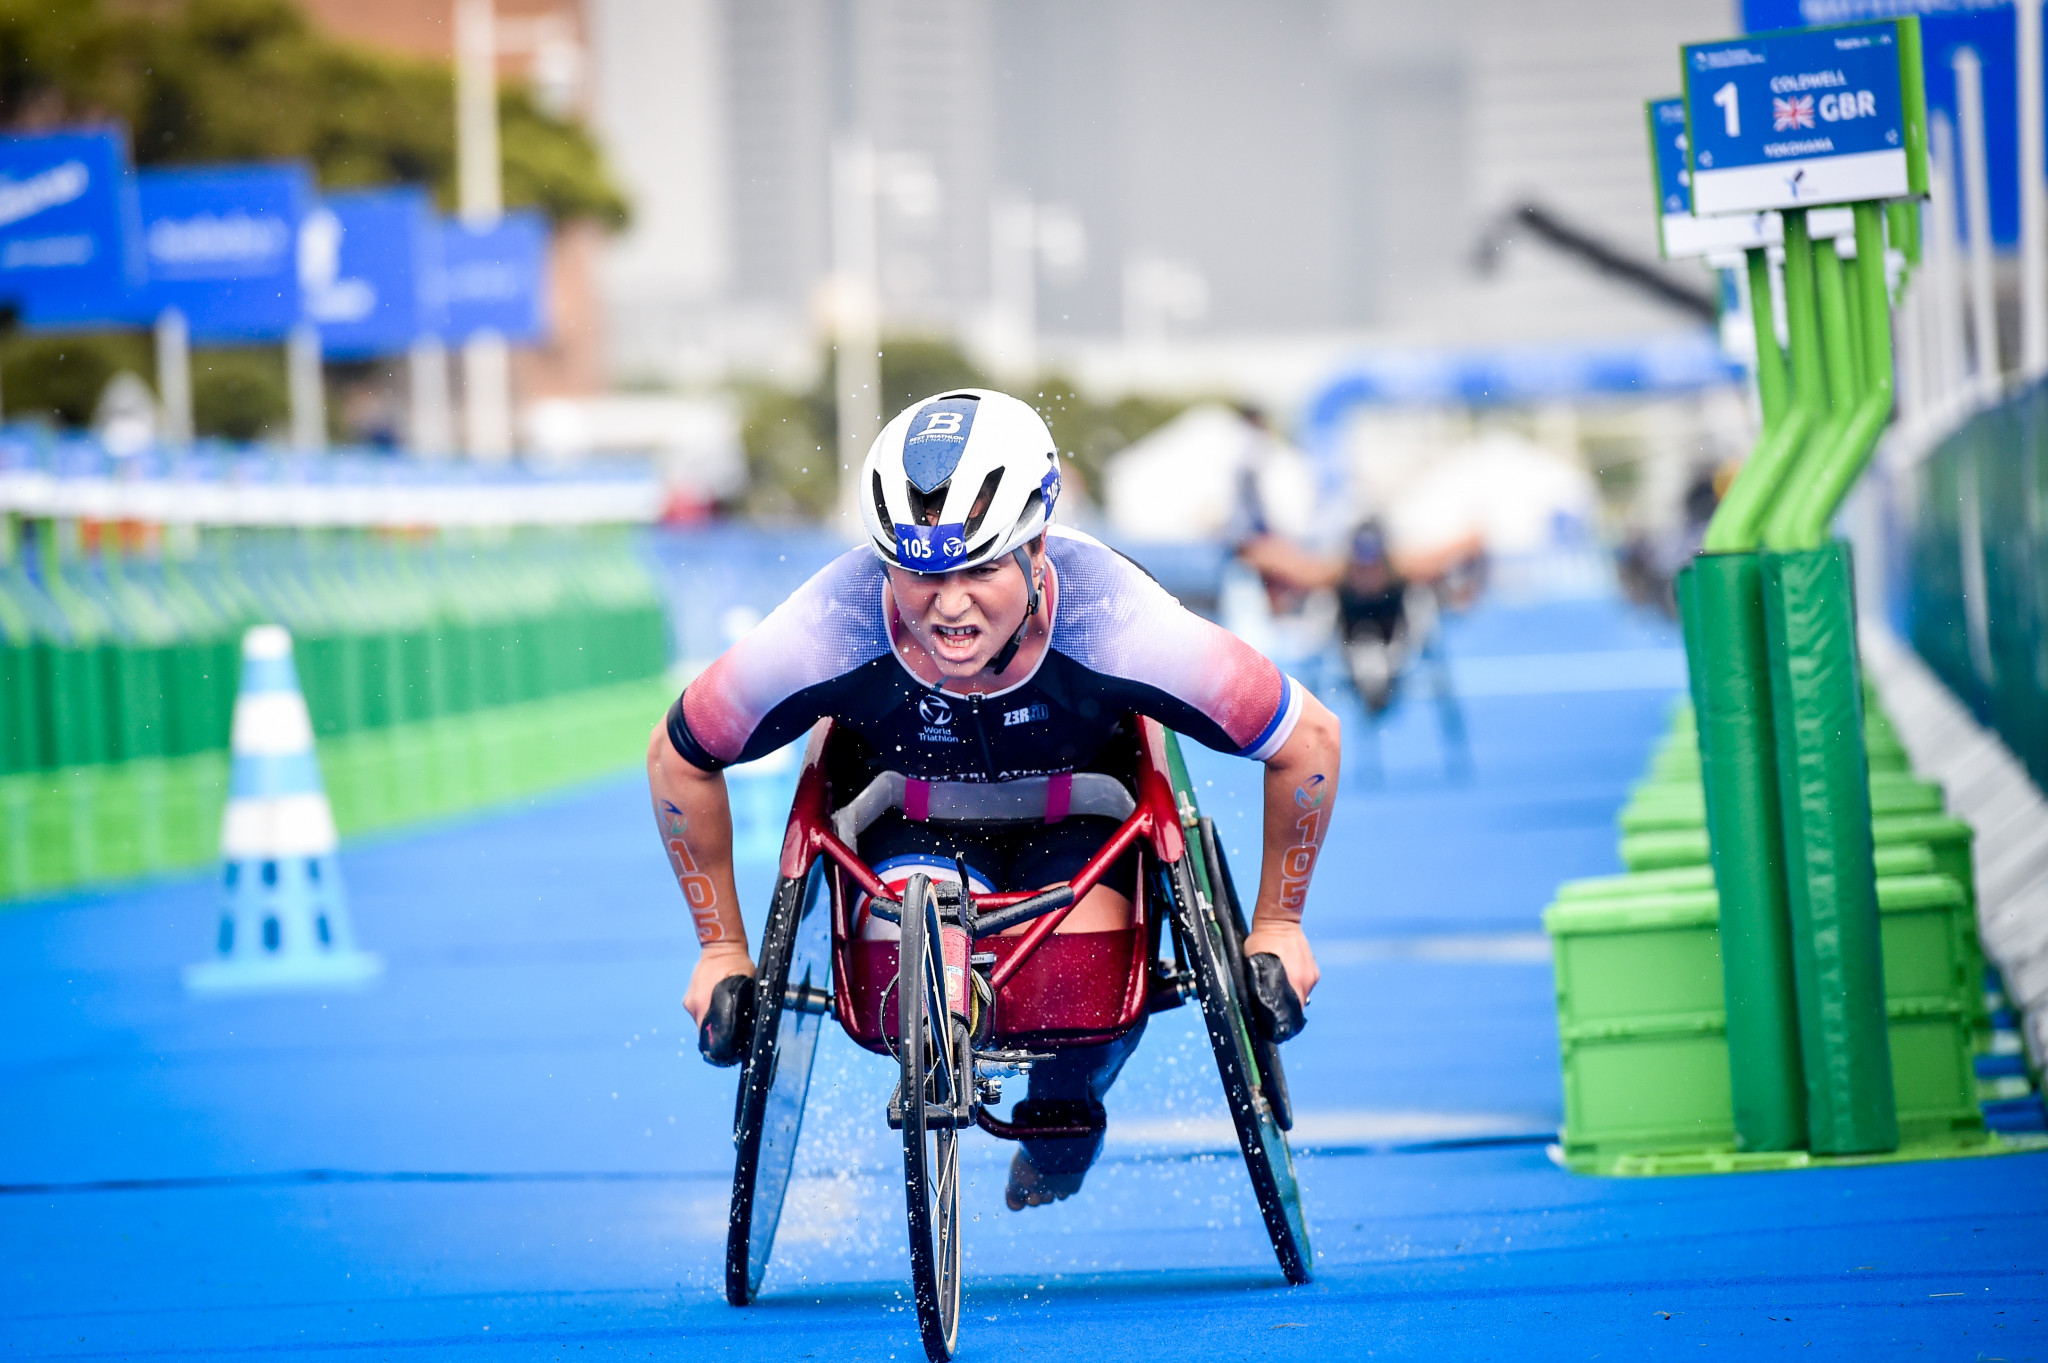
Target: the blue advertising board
pixel 495 278
pixel 366 263
pixel 1946 27
pixel 68 221
pixel 1804 118
pixel 222 247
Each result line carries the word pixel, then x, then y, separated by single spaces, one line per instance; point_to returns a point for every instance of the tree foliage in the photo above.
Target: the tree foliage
pixel 239 80
pixel 791 438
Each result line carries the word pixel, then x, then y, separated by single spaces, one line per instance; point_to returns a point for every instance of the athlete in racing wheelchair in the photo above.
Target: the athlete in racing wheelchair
pixel 992 840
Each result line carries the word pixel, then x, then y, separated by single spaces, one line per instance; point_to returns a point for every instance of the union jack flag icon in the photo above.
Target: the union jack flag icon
pixel 1787 114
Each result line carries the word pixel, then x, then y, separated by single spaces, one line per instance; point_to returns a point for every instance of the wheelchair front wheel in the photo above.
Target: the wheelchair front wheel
pixel 935 1072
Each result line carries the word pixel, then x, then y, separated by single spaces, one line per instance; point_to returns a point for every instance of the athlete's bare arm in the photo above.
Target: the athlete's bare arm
pixel 1301 794
pixel 695 821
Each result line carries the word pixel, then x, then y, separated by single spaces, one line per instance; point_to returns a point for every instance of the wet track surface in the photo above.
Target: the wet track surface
pixel 508 1145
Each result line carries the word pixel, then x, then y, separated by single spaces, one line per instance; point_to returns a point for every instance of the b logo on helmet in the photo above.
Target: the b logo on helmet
pixel 954 547
pixel 936 439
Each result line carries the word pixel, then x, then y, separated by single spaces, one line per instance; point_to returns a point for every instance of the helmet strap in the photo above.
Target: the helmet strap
pixel 1008 654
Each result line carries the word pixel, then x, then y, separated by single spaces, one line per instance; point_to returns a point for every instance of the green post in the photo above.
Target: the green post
pixel 1823 771
pixel 1801 517
pixel 1770 361
pixel 1738 523
pixel 1721 604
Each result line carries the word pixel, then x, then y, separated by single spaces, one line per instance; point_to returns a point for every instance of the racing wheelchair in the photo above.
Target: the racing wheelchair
pixel 960 1007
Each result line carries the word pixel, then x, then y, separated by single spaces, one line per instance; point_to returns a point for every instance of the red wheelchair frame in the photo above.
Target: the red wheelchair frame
pixel 972 1005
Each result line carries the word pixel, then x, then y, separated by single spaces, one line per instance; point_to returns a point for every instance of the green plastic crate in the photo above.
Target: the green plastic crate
pixel 1642 1017
pixel 1948 837
pixel 1658 807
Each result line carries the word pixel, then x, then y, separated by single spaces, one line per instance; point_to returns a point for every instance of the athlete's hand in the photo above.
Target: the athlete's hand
pixel 718 960
pixel 1287 941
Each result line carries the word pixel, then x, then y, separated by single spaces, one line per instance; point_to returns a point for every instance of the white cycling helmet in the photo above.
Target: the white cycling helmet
pixel 953 452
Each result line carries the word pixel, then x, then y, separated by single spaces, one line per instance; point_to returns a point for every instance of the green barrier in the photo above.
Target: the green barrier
pixel 118 670
pixel 1824 800
pixel 1728 657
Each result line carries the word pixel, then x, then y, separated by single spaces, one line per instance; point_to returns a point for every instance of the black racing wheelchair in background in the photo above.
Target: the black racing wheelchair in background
pixel 961 1007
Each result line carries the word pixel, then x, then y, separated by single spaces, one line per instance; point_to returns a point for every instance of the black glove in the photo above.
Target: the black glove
pixel 728 1029
pixel 1274 1006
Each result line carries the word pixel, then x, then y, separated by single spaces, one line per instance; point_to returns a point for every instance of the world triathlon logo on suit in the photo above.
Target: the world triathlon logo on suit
pixel 937 715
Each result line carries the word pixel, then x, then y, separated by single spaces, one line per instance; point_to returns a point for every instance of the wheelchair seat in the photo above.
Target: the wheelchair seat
pixel 1075 989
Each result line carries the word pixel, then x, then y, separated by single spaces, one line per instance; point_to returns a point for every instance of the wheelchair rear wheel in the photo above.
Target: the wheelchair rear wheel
pixel 934 1079
pixel 1208 942
pixel 792 998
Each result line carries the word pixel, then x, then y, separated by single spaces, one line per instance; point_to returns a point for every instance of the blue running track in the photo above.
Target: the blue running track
pixel 507 1147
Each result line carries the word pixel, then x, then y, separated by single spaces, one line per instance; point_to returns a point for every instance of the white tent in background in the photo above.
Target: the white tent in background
pixel 1180 483
pixel 1518 498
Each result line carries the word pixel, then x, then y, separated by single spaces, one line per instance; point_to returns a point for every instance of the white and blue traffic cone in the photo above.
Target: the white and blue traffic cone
pixel 284 923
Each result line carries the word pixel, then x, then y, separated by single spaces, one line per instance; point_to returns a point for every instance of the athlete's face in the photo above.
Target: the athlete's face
pixel 962 619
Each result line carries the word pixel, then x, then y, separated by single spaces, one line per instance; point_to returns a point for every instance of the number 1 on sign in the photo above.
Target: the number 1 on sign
pixel 1725 98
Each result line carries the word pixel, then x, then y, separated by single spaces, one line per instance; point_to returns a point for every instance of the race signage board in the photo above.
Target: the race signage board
pixel 1986 28
pixel 495 278
pixel 1680 234
pixel 222 247
pixel 1806 117
pixel 365 266
pixel 68 221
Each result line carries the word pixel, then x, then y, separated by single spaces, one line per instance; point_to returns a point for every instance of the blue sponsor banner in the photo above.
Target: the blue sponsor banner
pixel 1946 26
pixel 222 246
pixel 366 266
pixel 1797 119
pixel 495 278
pixel 68 222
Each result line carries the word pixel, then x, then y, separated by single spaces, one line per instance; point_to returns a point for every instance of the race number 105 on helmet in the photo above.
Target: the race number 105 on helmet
pixel 959 480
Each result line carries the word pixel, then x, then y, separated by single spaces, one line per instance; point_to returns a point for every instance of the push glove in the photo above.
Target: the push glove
pixel 1274 1006
pixel 728 1028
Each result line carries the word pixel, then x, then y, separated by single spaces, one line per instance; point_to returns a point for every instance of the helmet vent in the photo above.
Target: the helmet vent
pixel 983 500
pixel 924 506
pixel 882 515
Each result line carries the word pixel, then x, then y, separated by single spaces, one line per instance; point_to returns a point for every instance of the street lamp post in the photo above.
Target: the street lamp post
pixel 486 359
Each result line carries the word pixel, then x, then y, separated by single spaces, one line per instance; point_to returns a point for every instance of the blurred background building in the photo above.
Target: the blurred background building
pixel 1309 172
pixel 1122 207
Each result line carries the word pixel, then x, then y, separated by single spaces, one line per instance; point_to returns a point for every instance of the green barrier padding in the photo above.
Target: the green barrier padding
pixel 17 707
pixel 1728 656
pixel 1824 801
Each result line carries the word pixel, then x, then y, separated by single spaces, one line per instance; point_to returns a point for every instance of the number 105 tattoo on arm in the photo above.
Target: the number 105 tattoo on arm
pixel 1298 862
pixel 698 891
